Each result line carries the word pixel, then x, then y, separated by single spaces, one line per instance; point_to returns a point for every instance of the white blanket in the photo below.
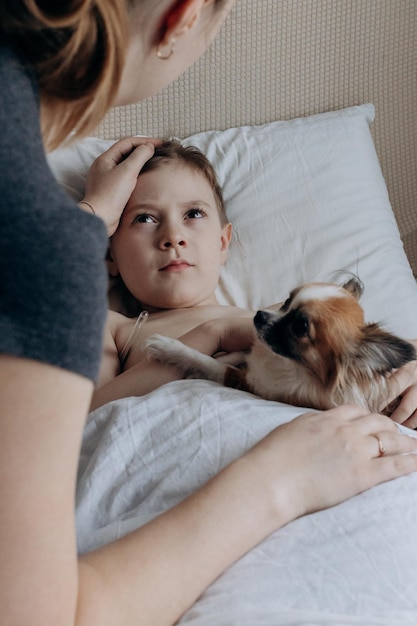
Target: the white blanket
pixel 353 564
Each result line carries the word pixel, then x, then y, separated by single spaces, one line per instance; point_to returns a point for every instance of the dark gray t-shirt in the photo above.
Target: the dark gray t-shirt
pixel 53 278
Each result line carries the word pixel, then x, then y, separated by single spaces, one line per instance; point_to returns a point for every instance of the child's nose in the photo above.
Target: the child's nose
pixel 172 237
pixel 172 242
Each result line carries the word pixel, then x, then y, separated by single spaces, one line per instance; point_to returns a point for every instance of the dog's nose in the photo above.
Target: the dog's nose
pixel 261 318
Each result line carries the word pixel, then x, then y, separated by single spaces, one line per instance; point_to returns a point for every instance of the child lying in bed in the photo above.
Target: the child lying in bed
pixel 167 253
pixel 168 250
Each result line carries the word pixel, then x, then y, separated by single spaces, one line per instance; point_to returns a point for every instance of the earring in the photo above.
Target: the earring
pixel 165 52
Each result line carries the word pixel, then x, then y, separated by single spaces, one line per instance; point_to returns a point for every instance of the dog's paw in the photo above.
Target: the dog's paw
pixel 192 363
pixel 164 349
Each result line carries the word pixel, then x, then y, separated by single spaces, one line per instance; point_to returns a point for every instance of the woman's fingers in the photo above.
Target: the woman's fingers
pixel 122 149
pixel 389 443
pixel 113 177
pixel 393 466
pixel 329 457
pixel 137 158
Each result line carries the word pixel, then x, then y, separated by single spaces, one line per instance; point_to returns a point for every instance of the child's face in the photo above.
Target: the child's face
pixel 170 244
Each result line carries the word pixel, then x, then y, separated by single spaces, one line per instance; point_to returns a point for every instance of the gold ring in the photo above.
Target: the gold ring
pixel 380 446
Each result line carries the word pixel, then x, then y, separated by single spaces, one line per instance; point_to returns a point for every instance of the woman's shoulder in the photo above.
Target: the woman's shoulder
pixel 23 165
pixel 19 86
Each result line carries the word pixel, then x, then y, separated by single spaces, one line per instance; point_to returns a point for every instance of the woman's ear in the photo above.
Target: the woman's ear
pixel 225 241
pixel 180 18
pixel 111 264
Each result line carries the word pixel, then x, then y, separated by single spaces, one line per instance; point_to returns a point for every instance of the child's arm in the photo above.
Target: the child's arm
pixel 110 363
pixel 218 335
pixel 229 334
pixel 138 380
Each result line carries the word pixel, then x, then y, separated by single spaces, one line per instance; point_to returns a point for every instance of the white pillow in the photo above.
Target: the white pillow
pixel 307 199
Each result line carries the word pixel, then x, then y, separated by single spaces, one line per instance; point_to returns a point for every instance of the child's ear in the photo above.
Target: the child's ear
pixel 111 264
pixel 225 241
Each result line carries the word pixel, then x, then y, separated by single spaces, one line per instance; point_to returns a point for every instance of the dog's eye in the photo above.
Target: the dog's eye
pixel 299 326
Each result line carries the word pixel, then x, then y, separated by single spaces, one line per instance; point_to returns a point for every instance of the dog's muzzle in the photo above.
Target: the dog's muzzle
pixel 261 319
pixel 279 332
pixel 269 329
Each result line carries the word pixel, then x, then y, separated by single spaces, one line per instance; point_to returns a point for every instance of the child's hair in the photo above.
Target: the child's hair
pixel 192 157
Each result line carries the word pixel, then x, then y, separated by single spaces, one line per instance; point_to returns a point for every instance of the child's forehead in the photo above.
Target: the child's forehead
pixel 171 182
pixel 177 174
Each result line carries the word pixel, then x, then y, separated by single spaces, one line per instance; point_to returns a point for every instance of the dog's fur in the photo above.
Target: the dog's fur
pixel 314 351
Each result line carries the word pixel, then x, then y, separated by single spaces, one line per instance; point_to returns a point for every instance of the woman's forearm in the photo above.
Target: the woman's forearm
pixel 180 552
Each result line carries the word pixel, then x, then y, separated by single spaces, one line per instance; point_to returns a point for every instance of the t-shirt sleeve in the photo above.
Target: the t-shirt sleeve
pixel 53 277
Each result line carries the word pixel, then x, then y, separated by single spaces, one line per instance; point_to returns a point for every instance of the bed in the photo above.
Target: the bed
pixel 306 109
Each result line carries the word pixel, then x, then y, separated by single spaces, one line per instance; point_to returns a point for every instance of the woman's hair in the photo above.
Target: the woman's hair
pixel 76 49
pixel 193 158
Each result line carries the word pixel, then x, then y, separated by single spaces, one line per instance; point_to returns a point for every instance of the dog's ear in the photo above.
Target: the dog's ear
pixel 354 286
pixel 382 351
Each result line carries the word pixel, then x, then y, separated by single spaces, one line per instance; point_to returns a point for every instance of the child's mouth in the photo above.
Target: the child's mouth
pixel 175 266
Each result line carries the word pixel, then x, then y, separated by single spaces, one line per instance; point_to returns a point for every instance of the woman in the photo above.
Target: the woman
pixel 61 68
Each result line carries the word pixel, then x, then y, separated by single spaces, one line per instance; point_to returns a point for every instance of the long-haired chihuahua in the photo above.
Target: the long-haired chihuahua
pixel 315 350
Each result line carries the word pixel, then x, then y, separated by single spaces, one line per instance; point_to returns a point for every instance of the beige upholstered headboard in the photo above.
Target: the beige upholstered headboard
pixel 282 59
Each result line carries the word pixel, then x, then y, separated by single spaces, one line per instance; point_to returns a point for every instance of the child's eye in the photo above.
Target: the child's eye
pixel 195 213
pixel 144 218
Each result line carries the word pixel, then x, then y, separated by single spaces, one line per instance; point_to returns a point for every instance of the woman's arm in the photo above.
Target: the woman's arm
pixel 43 410
pixel 154 574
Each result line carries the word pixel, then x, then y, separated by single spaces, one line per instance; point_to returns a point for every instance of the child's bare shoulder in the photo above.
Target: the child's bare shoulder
pixel 115 319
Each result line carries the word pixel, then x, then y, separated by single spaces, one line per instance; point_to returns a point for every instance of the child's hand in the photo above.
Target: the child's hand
pixel 403 383
pixel 113 176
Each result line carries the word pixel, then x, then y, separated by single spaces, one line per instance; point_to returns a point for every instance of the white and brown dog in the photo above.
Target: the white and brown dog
pixel 314 351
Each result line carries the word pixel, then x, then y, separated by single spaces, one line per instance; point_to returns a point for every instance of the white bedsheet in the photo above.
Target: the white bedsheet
pixel 353 564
